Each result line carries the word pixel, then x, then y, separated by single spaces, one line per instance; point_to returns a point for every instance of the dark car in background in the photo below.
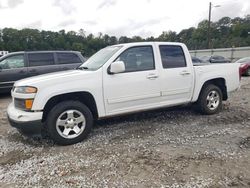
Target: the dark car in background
pixel 19 65
pixel 197 61
pixel 215 59
pixel 245 66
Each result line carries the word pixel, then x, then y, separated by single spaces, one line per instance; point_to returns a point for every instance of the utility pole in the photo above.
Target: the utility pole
pixel 208 29
pixel 209 25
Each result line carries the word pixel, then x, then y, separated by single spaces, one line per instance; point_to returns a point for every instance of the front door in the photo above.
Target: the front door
pixel 135 89
pixel 12 68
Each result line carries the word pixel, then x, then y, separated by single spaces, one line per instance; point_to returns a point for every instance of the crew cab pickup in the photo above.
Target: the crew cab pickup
pixel 118 79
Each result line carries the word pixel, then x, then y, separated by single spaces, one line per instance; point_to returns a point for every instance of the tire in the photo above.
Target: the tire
pixel 210 100
pixel 69 122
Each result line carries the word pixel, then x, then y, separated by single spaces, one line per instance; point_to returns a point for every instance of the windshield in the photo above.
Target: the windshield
pixel 100 58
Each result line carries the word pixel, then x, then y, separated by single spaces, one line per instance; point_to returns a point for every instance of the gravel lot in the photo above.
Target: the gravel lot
pixel 164 148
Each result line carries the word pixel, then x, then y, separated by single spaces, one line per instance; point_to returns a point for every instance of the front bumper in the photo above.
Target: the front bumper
pixel 30 127
pixel 28 122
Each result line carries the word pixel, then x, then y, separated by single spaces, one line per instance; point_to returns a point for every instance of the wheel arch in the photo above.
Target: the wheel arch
pixel 220 83
pixel 84 97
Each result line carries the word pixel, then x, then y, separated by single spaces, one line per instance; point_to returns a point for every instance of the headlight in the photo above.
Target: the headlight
pixel 25 89
pixel 23 104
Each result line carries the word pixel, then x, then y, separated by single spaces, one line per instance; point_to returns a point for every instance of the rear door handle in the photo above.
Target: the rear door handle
pixel 185 73
pixel 152 76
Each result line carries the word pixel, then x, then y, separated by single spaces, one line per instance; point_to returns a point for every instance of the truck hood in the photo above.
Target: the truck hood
pixel 53 78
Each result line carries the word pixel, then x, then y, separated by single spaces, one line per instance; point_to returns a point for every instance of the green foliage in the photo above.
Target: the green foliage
pixel 226 32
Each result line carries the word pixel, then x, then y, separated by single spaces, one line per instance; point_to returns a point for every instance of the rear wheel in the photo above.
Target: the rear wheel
pixel 210 100
pixel 69 122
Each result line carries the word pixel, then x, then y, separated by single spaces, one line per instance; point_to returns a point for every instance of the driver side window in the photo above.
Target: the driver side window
pixel 16 61
pixel 139 58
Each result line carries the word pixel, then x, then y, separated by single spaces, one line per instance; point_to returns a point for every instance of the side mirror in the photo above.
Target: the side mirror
pixel 117 67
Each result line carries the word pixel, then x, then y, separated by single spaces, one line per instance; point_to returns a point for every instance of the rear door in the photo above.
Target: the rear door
pixel 68 60
pixel 177 78
pixel 41 63
pixel 12 68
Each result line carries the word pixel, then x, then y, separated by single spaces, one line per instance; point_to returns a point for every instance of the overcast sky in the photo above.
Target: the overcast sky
pixel 115 17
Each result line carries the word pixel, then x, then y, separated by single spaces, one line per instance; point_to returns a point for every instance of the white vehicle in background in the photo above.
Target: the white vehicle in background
pixel 118 79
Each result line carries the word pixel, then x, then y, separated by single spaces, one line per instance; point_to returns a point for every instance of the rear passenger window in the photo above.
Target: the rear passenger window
pixel 68 58
pixel 172 56
pixel 41 59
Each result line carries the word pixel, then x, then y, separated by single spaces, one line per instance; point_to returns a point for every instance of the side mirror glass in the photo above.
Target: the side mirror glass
pixel 117 67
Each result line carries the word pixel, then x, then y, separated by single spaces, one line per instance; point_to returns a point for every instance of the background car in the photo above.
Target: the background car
pixel 197 61
pixel 215 59
pixel 19 65
pixel 2 53
pixel 245 66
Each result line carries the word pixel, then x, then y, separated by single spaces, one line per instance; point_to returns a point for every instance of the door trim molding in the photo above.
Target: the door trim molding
pixel 133 98
pixel 175 91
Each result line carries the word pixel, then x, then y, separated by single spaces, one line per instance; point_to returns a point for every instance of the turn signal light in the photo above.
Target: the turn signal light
pixel 28 103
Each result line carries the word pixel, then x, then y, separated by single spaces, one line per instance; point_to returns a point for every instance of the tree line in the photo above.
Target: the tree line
pixel 226 32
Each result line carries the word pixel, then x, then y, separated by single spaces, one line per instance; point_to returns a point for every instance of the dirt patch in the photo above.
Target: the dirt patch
pixel 14 157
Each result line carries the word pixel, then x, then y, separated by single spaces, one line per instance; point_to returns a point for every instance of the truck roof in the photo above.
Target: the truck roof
pixel 149 43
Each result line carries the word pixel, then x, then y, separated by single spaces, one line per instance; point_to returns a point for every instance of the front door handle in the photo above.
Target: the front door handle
pixel 185 73
pixel 152 76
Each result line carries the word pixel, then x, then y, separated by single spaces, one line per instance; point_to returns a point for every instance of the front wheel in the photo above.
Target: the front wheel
pixel 69 122
pixel 210 100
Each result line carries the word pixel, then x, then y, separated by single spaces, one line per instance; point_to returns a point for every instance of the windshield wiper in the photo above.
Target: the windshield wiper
pixel 82 68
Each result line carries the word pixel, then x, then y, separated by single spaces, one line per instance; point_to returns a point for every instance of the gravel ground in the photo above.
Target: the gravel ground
pixel 163 148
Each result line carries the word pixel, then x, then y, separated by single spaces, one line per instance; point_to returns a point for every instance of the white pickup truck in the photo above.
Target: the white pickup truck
pixel 118 79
